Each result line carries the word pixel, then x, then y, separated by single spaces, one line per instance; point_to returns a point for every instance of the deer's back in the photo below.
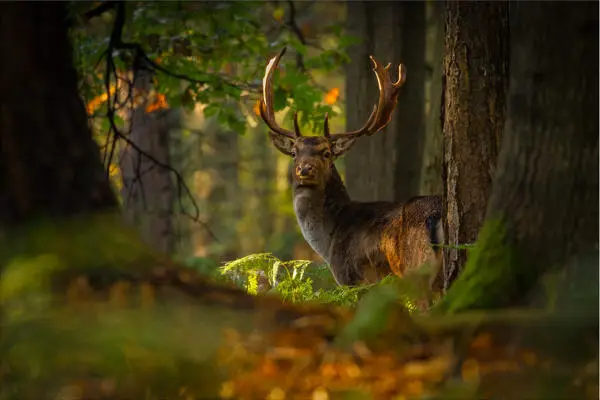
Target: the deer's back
pixel 375 239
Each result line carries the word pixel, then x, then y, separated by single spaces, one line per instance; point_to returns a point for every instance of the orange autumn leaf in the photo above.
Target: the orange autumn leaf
pixel 159 103
pixel 306 29
pixel 97 101
pixel 332 96
pixel 257 108
pixel 482 341
pixel 113 170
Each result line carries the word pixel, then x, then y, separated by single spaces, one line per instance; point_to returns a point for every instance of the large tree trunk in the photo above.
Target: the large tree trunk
pixel 50 166
pixel 148 192
pixel 476 80
pixel 386 166
pixel 543 211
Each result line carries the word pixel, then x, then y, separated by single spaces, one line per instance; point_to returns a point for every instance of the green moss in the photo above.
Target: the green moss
pixel 489 277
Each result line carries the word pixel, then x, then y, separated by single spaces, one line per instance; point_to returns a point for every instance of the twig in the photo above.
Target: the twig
pixel 116 42
pixel 296 30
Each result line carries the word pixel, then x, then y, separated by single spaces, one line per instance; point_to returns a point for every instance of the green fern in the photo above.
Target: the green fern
pixel 296 290
pixel 276 270
pixel 295 282
pixel 252 283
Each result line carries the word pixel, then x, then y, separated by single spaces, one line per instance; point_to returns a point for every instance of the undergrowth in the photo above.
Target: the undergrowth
pixel 296 281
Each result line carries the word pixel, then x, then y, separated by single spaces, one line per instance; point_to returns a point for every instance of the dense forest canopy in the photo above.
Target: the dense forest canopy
pixel 149 244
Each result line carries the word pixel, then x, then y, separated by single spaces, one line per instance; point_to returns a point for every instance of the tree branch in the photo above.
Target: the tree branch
pixel 101 9
pixel 116 42
pixel 296 30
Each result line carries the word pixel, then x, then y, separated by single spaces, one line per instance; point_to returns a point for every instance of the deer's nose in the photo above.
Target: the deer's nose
pixel 303 171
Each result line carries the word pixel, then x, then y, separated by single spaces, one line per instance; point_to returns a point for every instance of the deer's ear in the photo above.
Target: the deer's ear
pixel 340 145
pixel 283 143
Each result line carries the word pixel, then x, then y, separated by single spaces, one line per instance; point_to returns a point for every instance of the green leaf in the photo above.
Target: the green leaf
pixel 211 110
pixel 279 99
pixel 372 314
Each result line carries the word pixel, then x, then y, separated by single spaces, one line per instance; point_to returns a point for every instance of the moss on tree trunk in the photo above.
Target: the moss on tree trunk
pixel 543 211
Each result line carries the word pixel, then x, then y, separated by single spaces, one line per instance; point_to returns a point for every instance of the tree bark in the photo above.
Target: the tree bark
pixel 49 164
pixel 476 79
pixel 148 192
pixel 410 112
pixel 386 166
pixel 543 211
pixel 431 173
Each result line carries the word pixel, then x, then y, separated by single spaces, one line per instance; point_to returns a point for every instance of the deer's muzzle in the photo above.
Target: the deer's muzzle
pixel 305 171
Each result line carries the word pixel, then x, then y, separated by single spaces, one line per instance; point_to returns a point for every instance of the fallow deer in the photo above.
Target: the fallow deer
pixel 361 241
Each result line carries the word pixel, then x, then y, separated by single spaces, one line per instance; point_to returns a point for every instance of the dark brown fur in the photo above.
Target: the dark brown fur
pixel 362 242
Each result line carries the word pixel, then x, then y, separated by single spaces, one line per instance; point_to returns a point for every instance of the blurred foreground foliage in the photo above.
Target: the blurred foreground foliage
pixel 87 311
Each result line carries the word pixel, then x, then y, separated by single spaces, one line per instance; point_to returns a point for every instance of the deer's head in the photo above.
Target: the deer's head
pixel 314 155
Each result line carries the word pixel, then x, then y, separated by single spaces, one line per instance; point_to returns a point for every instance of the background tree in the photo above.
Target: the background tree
pixel 543 210
pixel 386 166
pixel 476 79
pixel 431 173
pixel 148 192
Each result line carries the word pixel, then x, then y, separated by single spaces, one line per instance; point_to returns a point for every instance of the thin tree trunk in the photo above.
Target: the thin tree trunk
pixel 431 174
pixel 218 189
pixel 50 166
pixel 386 166
pixel 410 112
pixel 543 211
pixel 476 79
pixel 370 164
pixel 148 192
pixel 256 180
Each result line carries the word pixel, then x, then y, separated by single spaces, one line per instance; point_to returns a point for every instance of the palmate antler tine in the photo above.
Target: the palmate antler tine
pixel 388 97
pixel 266 105
pixel 388 94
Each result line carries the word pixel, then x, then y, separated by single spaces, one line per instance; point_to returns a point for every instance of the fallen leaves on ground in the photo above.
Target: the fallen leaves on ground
pixel 287 365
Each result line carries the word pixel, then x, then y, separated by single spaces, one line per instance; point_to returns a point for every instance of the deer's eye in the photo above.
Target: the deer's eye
pixel 293 153
pixel 327 154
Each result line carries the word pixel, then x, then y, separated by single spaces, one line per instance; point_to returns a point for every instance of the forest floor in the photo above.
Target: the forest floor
pixel 125 324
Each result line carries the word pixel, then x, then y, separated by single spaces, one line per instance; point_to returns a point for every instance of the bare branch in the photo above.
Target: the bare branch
pixel 115 134
pixel 296 30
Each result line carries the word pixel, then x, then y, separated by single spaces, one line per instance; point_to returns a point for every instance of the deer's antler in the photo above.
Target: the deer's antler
pixel 382 111
pixel 266 105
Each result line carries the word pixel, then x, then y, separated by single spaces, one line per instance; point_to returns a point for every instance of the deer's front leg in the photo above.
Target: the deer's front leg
pixel 344 270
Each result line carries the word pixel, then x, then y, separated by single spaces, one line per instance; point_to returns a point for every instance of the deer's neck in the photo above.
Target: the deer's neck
pixel 317 211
